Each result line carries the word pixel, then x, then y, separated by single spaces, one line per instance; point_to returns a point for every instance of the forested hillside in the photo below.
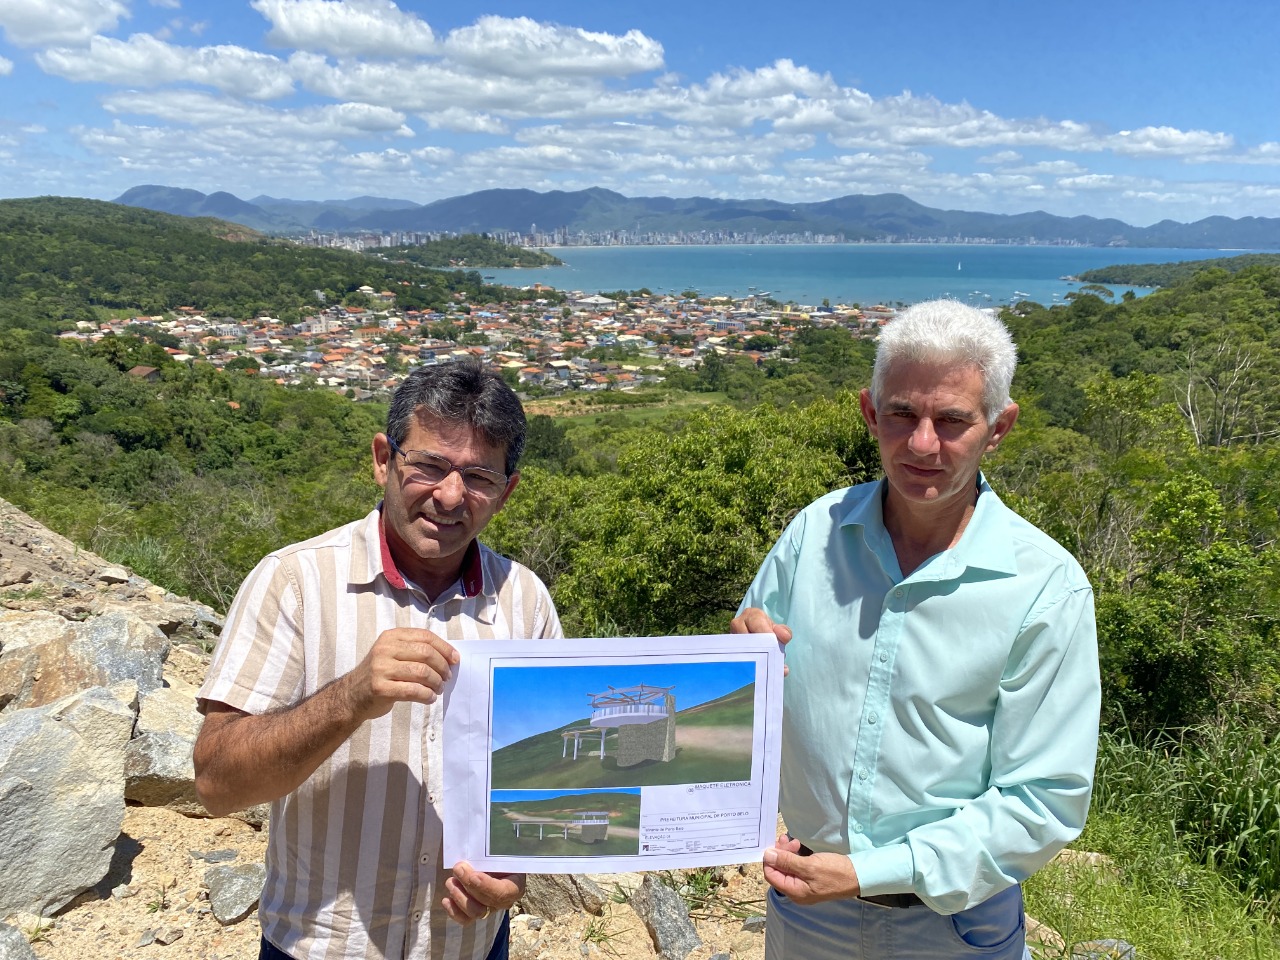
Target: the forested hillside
pixel 470 251
pixel 67 260
pixel 1168 274
pixel 1149 444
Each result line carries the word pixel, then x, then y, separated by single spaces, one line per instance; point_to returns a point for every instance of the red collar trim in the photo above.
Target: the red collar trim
pixel 472 573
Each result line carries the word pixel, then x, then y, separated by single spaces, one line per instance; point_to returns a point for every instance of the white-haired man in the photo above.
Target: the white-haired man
pixel 941 707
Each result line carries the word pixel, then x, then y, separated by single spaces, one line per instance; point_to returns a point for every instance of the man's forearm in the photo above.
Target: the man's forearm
pixel 244 759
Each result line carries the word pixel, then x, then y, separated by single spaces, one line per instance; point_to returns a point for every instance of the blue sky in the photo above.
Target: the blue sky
pixel 529 700
pixel 1142 110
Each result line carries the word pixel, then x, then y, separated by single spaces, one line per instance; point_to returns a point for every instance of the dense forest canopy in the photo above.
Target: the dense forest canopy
pixel 65 260
pixel 1149 444
pixel 471 251
pixel 1168 274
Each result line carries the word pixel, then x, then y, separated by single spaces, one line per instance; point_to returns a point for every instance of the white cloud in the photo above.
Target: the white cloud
pixel 460 120
pixel 347 28
pixel 6 67
pixel 329 122
pixel 1002 157
pixel 189 156
pixel 681 138
pixel 432 88
pixel 1169 141
pixel 33 23
pixel 521 47
pixel 144 61
pixel 167 4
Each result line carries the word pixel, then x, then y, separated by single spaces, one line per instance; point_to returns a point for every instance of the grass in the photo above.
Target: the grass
pixel 1190 825
pixel 14 594
pixel 39 931
pixel 703 889
pixel 161 900
pixel 1157 898
pixel 600 932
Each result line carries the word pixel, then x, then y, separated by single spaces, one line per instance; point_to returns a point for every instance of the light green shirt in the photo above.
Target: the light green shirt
pixel 939 728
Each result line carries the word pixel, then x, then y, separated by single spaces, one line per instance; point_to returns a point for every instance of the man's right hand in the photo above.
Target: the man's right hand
pixel 755 620
pixel 404 664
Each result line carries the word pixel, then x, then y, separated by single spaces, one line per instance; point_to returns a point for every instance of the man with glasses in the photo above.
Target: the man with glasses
pixel 322 697
pixel 941 708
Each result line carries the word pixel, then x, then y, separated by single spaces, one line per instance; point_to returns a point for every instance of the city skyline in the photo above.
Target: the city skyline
pixel 1142 112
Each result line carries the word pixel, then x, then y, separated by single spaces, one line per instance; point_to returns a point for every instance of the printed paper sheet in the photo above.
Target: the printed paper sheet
pixel 613 754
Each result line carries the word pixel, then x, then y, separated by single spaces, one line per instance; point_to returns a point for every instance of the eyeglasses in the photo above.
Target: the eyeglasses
pixel 430 470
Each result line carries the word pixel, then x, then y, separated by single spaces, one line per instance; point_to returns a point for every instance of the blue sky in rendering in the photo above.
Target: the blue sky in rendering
pixel 1142 110
pixel 529 700
pixel 519 796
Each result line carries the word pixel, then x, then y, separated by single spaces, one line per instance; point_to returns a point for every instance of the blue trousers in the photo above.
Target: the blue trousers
pixel 857 930
pixel 499 951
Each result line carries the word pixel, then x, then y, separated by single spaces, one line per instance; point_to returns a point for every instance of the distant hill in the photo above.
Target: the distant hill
pixel 1169 274
pixel 887 216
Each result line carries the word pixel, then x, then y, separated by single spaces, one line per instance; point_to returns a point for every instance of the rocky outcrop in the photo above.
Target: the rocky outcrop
pixel 666 917
pixel 90 713
pixel 47 656
pixel 157 762
pixel 61 796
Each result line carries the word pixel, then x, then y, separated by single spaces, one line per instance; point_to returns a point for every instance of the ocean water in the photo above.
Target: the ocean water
pixel 844 273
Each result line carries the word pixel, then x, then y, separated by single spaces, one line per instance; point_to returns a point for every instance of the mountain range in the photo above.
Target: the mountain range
pixel 886 216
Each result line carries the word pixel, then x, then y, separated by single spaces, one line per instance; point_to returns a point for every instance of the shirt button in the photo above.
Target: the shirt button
pixel 884 657
pixel 426 858
pixel 872 718
pixel 855 827
pixel 431 735
pixel 417 915
pixel 862 773
pixel 898 592
pixel 431 798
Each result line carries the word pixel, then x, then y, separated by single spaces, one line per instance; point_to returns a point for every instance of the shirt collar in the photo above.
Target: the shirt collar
pixel 377 560
pixel 986 544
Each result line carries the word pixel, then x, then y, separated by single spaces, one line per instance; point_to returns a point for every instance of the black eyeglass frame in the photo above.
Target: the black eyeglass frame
pixel 493 482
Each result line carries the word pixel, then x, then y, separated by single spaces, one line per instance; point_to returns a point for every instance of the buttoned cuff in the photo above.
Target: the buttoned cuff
pixel 888 869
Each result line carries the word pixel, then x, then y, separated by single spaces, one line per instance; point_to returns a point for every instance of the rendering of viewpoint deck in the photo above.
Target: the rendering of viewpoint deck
pixel 645 718
pixel 591 826
pixel 630 735
pixel 550 823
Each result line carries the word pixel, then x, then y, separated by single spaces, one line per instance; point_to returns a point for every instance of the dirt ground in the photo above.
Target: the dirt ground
pixel 168 895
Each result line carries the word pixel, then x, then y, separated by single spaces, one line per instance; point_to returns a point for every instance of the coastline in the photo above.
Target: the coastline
pixel 850 273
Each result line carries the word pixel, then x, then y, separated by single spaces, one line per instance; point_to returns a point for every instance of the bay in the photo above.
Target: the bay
pixel 865 274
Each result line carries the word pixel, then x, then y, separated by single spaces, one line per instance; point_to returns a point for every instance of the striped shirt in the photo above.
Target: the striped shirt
pixel 353 861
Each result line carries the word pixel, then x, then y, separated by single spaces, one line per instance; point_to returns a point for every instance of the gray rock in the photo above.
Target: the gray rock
pixel 666 917
pixel 113 575
pixel 157 763
pixel 214 856
pixel 753 924
pixel 11 576
pixel 167 935
pixel 61 797
pixel 14 945
pixel 234 890
pixel 551 895
pixel 46 657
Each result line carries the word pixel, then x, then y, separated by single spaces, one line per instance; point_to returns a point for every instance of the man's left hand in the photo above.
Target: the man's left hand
pixel 472 895
pixel 809 879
